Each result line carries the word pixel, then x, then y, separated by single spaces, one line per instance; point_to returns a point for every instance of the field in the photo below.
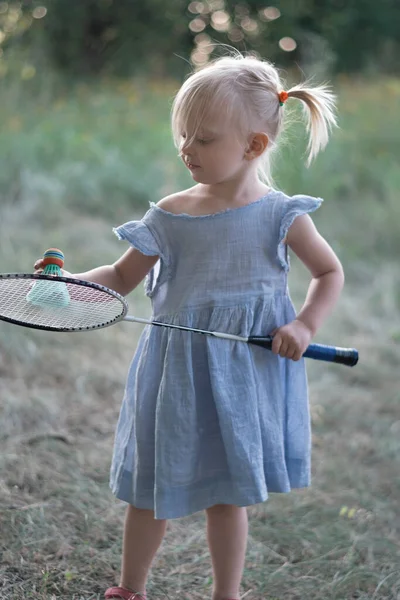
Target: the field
pixel 73 164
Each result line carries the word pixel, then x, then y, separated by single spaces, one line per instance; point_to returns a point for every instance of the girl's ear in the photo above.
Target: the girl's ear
pixel 257 144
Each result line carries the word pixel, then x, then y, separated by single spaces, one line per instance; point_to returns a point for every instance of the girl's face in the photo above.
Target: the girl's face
pixel 214 155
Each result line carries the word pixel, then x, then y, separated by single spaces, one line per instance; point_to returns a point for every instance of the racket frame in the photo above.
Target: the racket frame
pixel 345 356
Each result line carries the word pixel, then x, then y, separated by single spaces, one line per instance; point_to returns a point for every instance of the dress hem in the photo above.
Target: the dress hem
pixel 204 500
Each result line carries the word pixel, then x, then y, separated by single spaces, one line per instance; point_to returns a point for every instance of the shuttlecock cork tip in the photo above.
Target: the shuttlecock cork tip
pixel 53 256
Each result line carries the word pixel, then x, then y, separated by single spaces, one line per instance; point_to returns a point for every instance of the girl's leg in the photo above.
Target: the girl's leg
pixel 143 535
pixel 227 529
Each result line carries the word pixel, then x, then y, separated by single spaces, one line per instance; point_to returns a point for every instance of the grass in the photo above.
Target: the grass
pixel 73 166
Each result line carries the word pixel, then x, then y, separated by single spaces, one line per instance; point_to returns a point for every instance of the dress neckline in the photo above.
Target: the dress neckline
pixel 213 215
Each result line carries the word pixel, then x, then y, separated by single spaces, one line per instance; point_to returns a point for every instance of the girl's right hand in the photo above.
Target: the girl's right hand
pixel 38 266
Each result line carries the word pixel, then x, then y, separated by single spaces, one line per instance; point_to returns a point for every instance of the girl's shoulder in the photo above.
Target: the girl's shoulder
pixel 176 203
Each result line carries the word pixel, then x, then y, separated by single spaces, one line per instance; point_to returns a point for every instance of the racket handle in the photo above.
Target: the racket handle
pixel 343 356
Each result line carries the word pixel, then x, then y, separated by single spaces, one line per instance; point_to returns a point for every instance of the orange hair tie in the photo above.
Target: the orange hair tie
pixel 283 96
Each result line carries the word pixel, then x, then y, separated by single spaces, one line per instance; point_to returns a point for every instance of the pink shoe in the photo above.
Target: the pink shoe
pixel 120 593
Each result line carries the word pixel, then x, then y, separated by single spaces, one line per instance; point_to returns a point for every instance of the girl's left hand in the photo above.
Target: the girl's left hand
pixel 291 340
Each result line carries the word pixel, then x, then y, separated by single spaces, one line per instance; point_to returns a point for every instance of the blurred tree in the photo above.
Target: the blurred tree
pixel 125 37
pixel 115 36
pixel 358 32
pixel 347 35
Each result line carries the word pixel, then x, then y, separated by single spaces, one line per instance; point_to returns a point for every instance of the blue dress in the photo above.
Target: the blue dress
pixel 205 420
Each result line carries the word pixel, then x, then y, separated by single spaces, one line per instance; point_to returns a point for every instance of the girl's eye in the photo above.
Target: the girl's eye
pixel 202 141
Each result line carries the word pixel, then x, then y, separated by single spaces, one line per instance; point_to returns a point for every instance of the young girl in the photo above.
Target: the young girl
pixel 210 424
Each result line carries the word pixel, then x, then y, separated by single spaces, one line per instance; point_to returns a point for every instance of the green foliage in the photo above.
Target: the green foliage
pixel 358 173
pixel 99 151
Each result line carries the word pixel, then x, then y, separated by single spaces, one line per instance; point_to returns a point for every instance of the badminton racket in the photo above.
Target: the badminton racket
pixel 51 302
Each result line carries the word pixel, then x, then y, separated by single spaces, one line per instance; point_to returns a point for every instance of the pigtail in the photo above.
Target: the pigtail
pixel 319 110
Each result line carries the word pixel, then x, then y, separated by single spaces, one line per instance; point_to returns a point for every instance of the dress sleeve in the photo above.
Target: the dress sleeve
pixel 292 208
pixel 139 236
pixel 147 236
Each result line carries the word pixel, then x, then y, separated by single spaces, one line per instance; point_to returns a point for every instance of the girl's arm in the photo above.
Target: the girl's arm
pixel 327 282
pixel 122 276
pixel 125 274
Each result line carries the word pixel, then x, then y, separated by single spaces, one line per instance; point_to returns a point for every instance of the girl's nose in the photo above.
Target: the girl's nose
pixel 185 146
pixel 185 154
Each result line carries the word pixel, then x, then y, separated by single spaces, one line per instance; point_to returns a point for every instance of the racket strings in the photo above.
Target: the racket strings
pixel 55 304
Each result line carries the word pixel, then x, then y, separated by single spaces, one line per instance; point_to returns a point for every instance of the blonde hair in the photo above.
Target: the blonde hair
pixel 247 89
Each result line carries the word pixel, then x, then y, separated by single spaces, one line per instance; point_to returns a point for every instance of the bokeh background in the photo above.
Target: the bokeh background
pixel 86 89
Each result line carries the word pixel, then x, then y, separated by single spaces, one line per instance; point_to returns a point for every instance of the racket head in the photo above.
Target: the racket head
pixel 62 304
